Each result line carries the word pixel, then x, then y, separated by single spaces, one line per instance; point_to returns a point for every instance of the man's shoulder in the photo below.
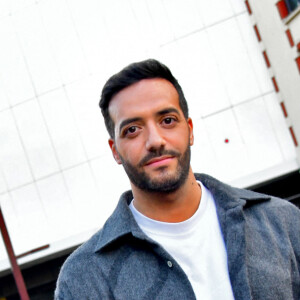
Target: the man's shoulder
pixel 84 265
pixel 89 258
pixel 82 256
pixel 224 194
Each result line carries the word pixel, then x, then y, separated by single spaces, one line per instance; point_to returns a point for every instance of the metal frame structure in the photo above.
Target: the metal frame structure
pixel 13 260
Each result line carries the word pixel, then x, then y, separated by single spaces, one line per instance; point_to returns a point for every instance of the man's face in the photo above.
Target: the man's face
pixel 152 137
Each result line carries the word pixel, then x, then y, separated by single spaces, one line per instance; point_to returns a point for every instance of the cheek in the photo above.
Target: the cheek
pixel 180 139
pixel 131 151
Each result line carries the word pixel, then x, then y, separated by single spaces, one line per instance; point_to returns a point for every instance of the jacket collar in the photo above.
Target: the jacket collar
pixel 122 222
pixel 227 196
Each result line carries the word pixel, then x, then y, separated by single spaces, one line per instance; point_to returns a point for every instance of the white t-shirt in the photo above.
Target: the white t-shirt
pixel 197 245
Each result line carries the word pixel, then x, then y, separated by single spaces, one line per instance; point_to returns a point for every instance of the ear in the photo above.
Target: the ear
pixel 191 126
pixel 114 151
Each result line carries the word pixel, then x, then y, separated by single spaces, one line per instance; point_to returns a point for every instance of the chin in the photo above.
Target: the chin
pixel 163 184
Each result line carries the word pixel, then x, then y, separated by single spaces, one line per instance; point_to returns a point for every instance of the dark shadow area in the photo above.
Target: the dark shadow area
pixel 40 279
pixel 286 187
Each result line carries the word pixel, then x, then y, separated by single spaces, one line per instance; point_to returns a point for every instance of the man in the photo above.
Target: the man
pixel 177 235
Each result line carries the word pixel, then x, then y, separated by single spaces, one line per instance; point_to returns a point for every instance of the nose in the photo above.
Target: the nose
pixel 155 140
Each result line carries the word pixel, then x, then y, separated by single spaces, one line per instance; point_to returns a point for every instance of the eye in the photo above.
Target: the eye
pixel 130 131
pixel 169 121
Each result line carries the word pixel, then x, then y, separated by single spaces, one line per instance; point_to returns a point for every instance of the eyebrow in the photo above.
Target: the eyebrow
pixel 167 111
pixel 159 113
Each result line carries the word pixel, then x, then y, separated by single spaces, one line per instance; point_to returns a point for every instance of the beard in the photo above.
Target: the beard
pixel 167 181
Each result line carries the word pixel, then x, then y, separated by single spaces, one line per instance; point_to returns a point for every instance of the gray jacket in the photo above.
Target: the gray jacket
pixel 261 234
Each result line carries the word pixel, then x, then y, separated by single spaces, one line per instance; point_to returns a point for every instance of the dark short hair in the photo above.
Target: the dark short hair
pixel 131 74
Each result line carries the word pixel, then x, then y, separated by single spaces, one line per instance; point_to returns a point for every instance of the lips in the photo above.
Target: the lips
pixel 157 161
pixel 152 158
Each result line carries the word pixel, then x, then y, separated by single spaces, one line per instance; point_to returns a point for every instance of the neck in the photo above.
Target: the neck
pixel 172 207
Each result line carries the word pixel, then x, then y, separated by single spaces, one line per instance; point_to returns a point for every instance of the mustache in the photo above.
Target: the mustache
pixel 159 153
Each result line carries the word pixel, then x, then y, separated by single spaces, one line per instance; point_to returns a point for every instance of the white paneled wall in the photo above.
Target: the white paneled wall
pixel 57 176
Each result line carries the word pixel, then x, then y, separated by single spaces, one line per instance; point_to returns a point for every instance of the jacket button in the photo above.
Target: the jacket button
pixel 169 264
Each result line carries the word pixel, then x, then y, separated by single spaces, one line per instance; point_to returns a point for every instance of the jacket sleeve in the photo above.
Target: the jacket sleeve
pixel 62 291
pixel 294 229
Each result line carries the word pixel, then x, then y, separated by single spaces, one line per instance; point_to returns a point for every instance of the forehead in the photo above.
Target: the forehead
pixel 144 96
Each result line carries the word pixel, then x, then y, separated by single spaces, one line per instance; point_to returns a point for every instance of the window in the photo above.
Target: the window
pixel 292 4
